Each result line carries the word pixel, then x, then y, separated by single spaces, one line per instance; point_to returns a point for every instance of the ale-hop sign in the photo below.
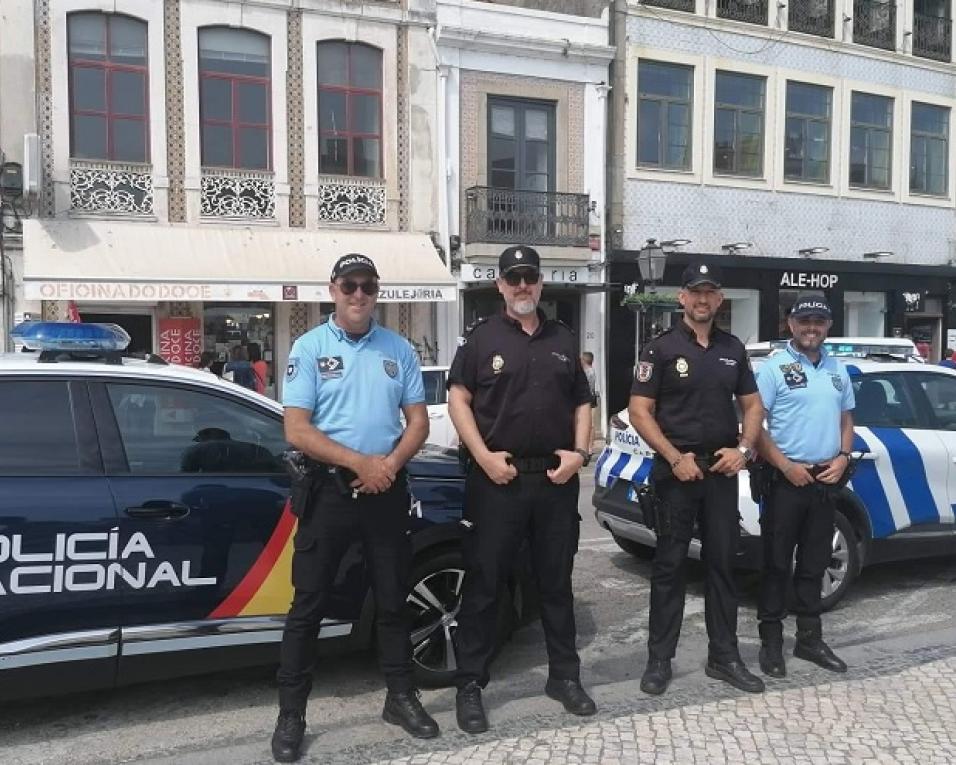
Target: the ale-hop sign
pixel 806 280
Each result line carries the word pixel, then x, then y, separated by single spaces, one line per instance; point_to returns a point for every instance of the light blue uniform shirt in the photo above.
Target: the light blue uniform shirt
pixel 354 388
pixel 804 403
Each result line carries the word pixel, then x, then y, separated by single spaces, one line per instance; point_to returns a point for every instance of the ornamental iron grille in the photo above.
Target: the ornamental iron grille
pixel 749 11
pixel 351 200
pixel 932 31
pixel 812 17
pixel 108 188
pixel 534 217
pixel 231 194
pixel 674 5
pixel 874 23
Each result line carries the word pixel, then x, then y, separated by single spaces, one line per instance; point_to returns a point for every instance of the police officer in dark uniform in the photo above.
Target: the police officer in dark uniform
pixel 522 406
pixel 808 398
pixel 346 385
pixel 682 405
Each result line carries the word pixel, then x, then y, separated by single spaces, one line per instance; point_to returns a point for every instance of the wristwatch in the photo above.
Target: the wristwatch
pixel 747 452
pixel 585 455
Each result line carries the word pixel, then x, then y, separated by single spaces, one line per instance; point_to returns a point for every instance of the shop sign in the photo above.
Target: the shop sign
pixel 471 272
pixel 913 302
pixel 180 340
pixel 804 279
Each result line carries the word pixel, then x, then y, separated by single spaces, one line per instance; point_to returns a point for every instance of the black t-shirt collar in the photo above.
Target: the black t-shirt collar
pixel 542 320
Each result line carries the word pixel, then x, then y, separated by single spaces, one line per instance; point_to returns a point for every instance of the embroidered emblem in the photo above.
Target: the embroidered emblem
pixel 793 375
pixel 682 367
pixel 560 357
pixel 292 369
pixel 728 362
pixel 391 368
pixel 497 363
pixel 644 371
pixel 704 269
pixel 837 382
pixel 330 367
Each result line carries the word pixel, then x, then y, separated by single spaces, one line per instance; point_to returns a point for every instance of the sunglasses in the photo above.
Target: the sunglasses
pixel 348 287
pixel 514 278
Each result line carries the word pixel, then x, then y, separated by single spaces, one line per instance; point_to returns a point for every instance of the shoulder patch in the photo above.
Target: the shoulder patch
pixel 472 327
pixel 292 369
pixel 644 371
pixel 558 321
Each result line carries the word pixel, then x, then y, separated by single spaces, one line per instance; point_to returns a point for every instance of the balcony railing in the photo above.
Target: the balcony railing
pixel 932 37
pixel 750 11
pixel 812 17
pixel 352 200
pixel 237 194
pixel 506 216
pixel 110 188
pixel 874 23
pixel 674 5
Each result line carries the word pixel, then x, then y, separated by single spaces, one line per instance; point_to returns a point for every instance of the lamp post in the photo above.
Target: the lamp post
pixel 651 260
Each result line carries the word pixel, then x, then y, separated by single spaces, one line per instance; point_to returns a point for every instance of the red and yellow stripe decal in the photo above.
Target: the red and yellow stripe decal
pixel 266 588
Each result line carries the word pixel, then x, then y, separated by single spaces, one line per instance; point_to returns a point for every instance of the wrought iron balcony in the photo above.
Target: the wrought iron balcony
pixel 874 23
pixel 507 216
pixel 674 5
pixel 241 194
pixel 812 17
pixel 111 188
pixel 352 200
pixel 932 37
pixel 750 11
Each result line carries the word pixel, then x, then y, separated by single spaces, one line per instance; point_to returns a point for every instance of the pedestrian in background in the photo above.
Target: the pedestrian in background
pixel 949 360
pixel 259 368
pixel 682 405
pixel 240 368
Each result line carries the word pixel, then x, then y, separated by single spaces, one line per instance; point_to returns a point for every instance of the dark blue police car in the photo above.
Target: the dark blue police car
pixel 144 528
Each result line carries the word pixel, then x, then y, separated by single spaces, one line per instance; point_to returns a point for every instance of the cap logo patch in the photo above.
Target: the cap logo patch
pixel 644 371
pixel 497 363
pixel 703 269
pixel 519 255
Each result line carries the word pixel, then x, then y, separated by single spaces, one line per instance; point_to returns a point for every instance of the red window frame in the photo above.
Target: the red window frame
pixel 349 90
pixel 109 67
pixel 234 123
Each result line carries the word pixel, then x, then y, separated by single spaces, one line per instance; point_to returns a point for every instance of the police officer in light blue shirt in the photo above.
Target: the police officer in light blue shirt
pixel 808 399
pixel 346 385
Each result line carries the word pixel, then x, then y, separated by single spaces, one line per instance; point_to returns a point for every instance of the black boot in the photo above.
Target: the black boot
pixel 572 695
pixel 657 676
pixel 735 673
pixel 468 709
pixel 771 649
pixel 810 647
pixel 405 708
pixel 287 738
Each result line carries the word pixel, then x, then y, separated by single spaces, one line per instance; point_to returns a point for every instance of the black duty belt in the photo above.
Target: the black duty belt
pixel 535 464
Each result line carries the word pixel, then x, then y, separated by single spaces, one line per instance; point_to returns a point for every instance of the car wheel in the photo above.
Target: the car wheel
pixel 844 562
pixel 435 599
pixel 644 552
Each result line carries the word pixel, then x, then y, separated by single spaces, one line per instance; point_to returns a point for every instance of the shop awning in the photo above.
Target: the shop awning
pixel 108 261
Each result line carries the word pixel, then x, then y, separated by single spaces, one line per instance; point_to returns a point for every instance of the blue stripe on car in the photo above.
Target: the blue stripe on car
pixel 868 487
pixel 601 460
pixel 643 471
pixel 617 468
pixel 910 475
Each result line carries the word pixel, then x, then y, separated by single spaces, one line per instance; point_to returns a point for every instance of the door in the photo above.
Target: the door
pixel 441 431
pixel 936 391
pixel 59 606
pixel 200 490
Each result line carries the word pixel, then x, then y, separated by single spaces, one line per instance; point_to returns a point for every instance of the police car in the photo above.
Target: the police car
pixel 145 531
pixel 899 504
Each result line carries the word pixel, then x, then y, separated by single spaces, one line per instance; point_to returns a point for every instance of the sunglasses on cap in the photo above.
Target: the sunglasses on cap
pixel 528 275
pixel 348 286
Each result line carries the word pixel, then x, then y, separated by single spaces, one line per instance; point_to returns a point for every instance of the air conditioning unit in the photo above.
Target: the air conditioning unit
pixel 31 164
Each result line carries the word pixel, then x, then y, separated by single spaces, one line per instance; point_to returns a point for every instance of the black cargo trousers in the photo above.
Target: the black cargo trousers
pixel 712 503
pixel 333 523
pixel 501 517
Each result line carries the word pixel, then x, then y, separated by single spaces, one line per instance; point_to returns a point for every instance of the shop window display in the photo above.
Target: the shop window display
pixel 249 327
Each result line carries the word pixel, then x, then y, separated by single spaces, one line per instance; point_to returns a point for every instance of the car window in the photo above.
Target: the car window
pixel 176 430
pixel 434 381
pixel 940 390
pixel 881 402
pixel 37 416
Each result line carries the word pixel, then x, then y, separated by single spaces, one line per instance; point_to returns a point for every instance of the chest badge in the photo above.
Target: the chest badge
pixel 682 367
pixel 330 367
pixel 497 363
pixel 793 375
pixel 391 367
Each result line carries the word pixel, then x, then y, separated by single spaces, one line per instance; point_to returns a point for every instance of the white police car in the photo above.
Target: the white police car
pixel 898 505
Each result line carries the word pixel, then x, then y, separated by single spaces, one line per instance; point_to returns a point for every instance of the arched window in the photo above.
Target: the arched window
pixel 235 97
pixel 109 104
pixel 350 109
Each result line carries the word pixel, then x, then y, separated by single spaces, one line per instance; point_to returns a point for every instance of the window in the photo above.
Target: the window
pixel 940 390
pixel 108 87
pixel 435 390
pixel 235 109
pixel 665 92
pixel 40 413
pixel 807 143
pixel 738 124
pixel 881 402
pixel 174 430
pixel 350 109
pixel 929 149
pixel 871 141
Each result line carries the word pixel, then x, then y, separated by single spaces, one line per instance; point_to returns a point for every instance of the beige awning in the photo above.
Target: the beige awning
pixel 91 260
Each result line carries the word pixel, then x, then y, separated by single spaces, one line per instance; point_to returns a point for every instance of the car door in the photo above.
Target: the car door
pixel 59 608
pixel 903 477
pixel 201 493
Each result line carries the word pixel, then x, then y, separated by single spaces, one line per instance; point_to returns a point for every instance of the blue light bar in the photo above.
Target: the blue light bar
pixel 70 336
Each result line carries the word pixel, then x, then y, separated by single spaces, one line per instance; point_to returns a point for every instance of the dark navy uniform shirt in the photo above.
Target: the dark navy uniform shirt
pixel 694 387
pixel 525 388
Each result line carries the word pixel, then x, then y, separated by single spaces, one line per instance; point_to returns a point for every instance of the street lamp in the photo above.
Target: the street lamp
pixel 735 247
pixel 651 260
pixel 808 251
pixel 877 254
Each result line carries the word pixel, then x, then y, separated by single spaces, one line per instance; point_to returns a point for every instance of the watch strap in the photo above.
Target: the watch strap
pixel 585 455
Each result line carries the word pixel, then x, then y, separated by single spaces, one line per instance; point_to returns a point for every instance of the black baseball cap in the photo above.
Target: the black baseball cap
pixel 700 273
pixel 351 263
pixel 811 304
pixel 519 256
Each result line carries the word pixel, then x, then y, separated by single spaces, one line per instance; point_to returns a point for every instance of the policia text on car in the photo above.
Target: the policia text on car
pixel 682 405
pixel 346 385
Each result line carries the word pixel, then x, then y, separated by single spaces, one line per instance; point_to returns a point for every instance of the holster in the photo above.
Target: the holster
pixel 343 478
pixel 650 505
pixel 762 476
pixel 307 477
